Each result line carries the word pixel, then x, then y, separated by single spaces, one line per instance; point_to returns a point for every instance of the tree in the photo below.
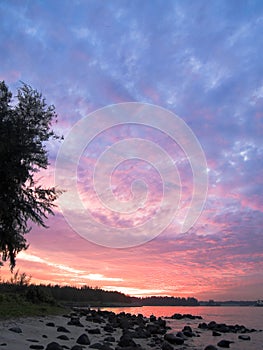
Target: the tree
pixel 25 129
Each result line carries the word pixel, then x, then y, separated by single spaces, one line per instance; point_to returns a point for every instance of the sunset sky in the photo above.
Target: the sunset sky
pixel 198 60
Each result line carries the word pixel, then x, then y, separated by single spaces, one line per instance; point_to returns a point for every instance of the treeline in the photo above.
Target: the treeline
pixel 169 301
pixel 19 285
pixel 65 294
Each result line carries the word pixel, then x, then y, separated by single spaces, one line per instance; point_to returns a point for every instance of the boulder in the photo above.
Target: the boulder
pixel 83 339
pixel 54 346
pixel 210 347
pixel 224 343
pixel 172 339
pixel 167 346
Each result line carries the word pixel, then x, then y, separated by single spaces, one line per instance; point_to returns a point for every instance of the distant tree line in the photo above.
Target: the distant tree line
pixel 19 284
pixel 171 301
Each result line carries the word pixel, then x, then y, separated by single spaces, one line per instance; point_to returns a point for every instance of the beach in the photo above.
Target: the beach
pixel 106 330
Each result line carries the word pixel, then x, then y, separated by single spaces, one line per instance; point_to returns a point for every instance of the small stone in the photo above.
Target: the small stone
pixel 33 340
pixel 63 337
pixel 210 347
pixel 244 337
pixel 77 347
pixel 83 339
pixel 109 339
pixel 167 346
pixel 63 329
pixel 15 329
pixel 94 331
pixel 54 346
pixel 50 324
pixel 224 343
pixel 171 338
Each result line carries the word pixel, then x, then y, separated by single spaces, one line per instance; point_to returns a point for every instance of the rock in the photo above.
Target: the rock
pixel 63 337
pixel 216 334
pixel 108 328
pixel 96 346
pixel 94 331
pixel 77 347
pixel 75 321
pixel 15 329
pixel 83 339
pixel 244 337
pixel 167 346
pixel 126 340
pixel 50 324
pixel 54 346
pixel 109 339
pixel 44 336
pixel 3 344
pixel 33 340
pixel 152 318
pixel 187 329
pixel 171 338
pixel 34 346
pixel 181 335
pixel 224 343
pixel 62 329
pixel 210 347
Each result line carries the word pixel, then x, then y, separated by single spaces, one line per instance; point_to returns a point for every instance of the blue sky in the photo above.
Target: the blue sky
pixel 201 60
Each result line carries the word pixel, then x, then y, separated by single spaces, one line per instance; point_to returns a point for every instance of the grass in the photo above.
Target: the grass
pixel 13 306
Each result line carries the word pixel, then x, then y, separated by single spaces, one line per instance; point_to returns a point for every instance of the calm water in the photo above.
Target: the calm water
pixel 249 316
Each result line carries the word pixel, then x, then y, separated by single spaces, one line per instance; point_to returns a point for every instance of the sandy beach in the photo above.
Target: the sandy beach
pixel 106 331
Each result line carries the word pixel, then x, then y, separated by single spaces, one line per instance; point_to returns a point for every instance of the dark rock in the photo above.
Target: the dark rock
pixel 167 346
pixel 244 337
pixel 181 335
pixel 187 329
pixel 94 331
pixel 210 347
pixel 96 346
pixel 188 334
pixel 126 340
pixel 3 344
pixel 109 339
pixel 54 346
pixel 185 316
pixel 216 334
pixel 44 336
pixel 63 329
pixel 15 329
pixel 63 337
pixel 224 343
pixel 171 338
pixel 77 347
pixel 34 346
pixel 33 340
pixel 75 321
pixel 152 318
pixel 50 324
pixel 83 339
pixel 202 325
pixel 108 328
pixel 141 333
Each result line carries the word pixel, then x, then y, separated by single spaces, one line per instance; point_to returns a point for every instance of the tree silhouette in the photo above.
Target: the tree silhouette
pixel 24 130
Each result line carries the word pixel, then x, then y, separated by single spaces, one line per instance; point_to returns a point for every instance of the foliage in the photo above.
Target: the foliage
pixel 24 130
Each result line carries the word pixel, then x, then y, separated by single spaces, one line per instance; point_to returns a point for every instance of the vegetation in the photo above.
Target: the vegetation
pixel 24 130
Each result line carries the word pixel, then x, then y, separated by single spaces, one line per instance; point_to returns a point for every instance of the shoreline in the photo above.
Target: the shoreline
pixel 106 330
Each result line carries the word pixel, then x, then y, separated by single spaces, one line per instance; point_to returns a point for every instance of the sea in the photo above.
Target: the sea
pixel 248 316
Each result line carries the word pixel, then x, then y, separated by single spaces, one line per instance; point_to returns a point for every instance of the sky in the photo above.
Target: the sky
pixel 194 71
